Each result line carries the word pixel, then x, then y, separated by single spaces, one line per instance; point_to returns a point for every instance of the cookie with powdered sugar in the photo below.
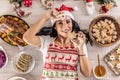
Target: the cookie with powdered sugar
pixel 72 35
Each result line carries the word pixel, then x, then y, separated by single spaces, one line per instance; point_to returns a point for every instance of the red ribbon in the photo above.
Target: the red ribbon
pixel 64 8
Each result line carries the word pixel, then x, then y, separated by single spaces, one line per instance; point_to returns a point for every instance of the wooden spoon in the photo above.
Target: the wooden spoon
pixel 100 72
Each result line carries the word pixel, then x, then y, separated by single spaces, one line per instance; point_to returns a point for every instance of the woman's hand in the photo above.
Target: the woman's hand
pixel 52 14
pixel 80 39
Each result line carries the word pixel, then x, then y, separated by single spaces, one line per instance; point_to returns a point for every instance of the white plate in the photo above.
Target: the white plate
pixel 17 78
pixel 31 65
pixel 2 49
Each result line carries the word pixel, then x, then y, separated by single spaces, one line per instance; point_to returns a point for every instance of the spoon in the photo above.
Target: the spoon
pixel 99 70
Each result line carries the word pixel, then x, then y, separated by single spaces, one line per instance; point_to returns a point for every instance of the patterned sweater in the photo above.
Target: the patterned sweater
pixel 60 63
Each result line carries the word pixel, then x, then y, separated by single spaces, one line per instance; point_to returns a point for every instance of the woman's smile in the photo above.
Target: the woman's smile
pixel 63 27
pixel 66 30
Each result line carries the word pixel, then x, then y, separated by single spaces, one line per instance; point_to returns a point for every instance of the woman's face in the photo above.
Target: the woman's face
pixel 64 27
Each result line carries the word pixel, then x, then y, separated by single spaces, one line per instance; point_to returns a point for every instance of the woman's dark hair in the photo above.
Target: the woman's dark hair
pixel 53 33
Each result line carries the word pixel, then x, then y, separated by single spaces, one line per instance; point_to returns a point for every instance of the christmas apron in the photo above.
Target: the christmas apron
pixel 60 63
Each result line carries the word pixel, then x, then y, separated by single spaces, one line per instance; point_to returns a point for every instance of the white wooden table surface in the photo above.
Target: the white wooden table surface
pixel 81 17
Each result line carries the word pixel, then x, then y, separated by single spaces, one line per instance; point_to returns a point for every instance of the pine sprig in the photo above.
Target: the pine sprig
pixel 100 1
pixel 106 2
pixel 16 1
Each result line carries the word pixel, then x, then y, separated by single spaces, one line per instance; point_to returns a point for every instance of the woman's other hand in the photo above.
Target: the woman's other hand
pixel 80 40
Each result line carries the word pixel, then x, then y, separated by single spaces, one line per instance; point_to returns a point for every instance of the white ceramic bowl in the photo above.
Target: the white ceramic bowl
pixel 17 78
pixel 31 65
pixel 98 77
pixel 2 49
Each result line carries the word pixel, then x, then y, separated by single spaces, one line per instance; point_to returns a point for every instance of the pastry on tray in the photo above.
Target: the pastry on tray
pixel 113 60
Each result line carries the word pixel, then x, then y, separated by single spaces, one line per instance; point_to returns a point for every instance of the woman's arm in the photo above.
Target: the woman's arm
pixel 85 65
pixel 30 35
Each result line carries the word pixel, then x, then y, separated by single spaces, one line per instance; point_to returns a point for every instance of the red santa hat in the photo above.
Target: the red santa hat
pixel 89 0
pixel 66 11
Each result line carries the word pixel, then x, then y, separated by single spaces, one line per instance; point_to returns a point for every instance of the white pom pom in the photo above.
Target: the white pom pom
pixel 75 8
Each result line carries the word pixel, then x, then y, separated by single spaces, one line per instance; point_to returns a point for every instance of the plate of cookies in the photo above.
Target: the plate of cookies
pixel 23 63
pixel 104 30
pixel 113 60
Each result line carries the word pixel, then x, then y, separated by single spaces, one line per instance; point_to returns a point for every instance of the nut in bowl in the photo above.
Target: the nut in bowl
pixel 99 71
pixel 23 63
pixel 104 30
